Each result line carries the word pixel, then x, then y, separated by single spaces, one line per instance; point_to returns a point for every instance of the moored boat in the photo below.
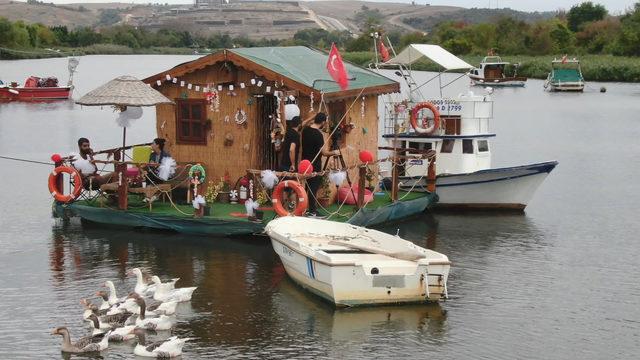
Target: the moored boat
pixel 349 265
pixel 40 89
pixel 491 72
pixel 565 75
pixel 457 129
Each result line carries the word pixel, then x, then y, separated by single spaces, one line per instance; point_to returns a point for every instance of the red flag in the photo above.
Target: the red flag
pixel 336 68
pixel 384 53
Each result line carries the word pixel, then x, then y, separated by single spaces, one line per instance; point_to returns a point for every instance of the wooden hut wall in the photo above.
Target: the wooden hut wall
pixel 217 157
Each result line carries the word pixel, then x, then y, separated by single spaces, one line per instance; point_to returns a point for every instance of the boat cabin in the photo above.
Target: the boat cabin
pixel 229 106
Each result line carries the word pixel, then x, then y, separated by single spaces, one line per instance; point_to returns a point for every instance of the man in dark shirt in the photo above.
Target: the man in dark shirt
pixel 313 148
pixel 291 145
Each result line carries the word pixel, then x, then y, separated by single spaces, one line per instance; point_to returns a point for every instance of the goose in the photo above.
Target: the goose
pixel 113 298
pixel 105 300
pixel 90 308
pixel 85 344
pixel 117 335
pixel 162 322
pixel 114 320
pixel 168 348
pixel 152 309
pixel 167 286
pixel 179 294
pixel 142 285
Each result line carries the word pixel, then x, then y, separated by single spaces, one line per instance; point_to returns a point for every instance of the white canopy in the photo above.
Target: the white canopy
pixel 435 53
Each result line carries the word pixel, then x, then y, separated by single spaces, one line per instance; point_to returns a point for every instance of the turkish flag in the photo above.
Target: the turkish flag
pixel 336 68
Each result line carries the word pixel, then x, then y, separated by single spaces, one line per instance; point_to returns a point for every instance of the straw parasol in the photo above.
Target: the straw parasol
pixel 121 92
pixel 124 91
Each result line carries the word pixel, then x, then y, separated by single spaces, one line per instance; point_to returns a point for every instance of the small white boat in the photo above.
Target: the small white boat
pixel 352 266
pixel 492 73
pixel 565 75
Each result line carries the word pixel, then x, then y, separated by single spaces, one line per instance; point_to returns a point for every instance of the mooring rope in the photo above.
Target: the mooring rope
pixel 26 160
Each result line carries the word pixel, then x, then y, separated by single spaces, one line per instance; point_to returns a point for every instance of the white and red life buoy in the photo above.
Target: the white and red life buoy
pixel 303 201
pixel 414 118
pixel 53 184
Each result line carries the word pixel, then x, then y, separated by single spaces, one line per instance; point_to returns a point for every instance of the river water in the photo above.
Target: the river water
pixel 558 282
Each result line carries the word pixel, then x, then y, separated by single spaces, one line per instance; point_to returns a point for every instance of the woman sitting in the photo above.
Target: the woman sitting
pixel 161 165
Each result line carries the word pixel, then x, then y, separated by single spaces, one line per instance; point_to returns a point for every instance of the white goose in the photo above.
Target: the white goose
pixel 179 294
pixel 113 297
pixel 167 286
pixel 162 322
pixel 168 348
pixel 116 335
pixel 85 344
pixel 141 284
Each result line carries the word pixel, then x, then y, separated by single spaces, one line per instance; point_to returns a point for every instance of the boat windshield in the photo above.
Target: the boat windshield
pixel 492 59
pixel 574 65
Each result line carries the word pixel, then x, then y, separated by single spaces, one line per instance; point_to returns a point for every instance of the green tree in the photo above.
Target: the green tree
pixel 584 13
pixel 629 40
pixel 563 38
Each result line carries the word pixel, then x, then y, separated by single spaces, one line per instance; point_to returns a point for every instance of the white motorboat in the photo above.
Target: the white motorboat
pixel 565 75
pixel 352 266
pixel 464 175
pixel 492 73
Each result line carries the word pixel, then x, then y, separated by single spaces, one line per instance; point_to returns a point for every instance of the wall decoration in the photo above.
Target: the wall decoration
pixel 362 112
pixel 228 139
pixel 240 117
pixel 311 99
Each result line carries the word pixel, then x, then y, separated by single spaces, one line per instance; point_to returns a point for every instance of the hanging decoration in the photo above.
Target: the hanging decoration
pixel 167 168
pixel 198 202
pixel 269 178
pixel 126 117
pixel 228 139
pixel 241 117
pixel 311 99
pixel 337 177
pixel 226 118
pixel 362 112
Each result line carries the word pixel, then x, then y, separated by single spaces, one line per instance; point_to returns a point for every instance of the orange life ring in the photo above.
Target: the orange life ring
pixel 414 118
pixel 53 184
pixel 303 201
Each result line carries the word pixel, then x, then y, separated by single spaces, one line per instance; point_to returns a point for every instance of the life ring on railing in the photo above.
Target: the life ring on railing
pixel 414 118
pixel 303 201
pixel 53 184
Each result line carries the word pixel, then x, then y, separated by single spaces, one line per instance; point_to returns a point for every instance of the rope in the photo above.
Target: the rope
pixel 27 160
pixel 339 122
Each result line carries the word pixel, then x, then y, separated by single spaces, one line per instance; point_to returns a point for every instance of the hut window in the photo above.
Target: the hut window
pixel 190 121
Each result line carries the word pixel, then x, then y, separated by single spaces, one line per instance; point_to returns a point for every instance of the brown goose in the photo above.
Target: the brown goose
pixel 162 322
pixel 117 335
pixel 83 345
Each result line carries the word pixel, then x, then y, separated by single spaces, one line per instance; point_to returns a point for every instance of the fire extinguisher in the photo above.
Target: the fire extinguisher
pixel 243 190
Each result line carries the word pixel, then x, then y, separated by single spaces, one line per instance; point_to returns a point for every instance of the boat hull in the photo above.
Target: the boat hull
pixel 509 188
pixel 568 87
pixel 35 93
pixel 500 82
pixel 349 285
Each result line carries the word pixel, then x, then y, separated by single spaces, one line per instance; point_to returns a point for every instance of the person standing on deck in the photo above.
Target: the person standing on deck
pixel 313 148
pixel 291 145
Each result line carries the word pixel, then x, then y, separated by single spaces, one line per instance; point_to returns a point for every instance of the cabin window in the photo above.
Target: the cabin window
pixel 483 146
pixel 419 145
pixel 451 125
pixel 190 119
pixel 467 146
pixel 447 146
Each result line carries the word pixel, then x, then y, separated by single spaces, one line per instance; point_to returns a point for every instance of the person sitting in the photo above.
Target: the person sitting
pixel 85 164
pixel 161 165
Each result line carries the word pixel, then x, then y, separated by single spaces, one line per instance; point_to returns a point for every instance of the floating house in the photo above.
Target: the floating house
pixel 230 106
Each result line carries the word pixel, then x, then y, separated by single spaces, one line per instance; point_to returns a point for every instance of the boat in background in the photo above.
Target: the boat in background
pixel 350 265
pixel 460 137
pixel 565 75
pixel 492 73
pixel 40 89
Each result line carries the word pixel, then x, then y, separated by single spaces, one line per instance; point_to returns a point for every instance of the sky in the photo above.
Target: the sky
pixel 614 6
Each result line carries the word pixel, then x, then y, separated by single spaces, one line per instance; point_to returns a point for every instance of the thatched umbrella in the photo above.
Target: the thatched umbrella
pixel 121 92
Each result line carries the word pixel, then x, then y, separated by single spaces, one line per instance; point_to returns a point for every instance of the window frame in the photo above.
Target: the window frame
pixel 486 142
pixel 468 142
pixel 191 140
pixel 449 151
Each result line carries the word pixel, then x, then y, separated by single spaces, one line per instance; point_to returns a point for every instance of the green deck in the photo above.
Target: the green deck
pixel 565 75
pixel 221 221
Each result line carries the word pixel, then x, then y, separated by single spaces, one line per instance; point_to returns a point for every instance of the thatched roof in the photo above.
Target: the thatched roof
pixel 126 91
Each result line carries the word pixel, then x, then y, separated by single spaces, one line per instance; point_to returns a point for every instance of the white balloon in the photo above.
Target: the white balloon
pixel 291 111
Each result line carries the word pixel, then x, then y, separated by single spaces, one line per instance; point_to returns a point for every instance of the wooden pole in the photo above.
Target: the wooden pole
pixel 123 186
pixel 362 176
pixel 394 177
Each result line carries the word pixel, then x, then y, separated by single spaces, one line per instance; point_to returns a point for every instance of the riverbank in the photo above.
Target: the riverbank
pixel 594 67
pixel 97 49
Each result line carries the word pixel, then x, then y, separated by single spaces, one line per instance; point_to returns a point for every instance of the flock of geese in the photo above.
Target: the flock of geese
pixel 150 307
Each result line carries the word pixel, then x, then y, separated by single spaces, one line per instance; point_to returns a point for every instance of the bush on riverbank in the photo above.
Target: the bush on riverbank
pixel 594 67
